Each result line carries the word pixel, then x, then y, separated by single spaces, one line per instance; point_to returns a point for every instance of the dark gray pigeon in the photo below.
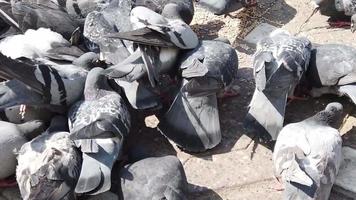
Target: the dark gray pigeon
pixel 49 165
pixel 56 85
pixel 24 113
pixel 46 14
pixel 332 70
pixel 154 178
pixel 339 12
pixel 280 61
pixel 98 125
pixel 307 155
pixel 172 9
pixel 220 7
pixel 192 121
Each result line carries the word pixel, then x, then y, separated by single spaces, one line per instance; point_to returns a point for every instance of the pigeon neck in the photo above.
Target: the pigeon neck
pixel 31 129
pixel 95 84
pixel 325 117
pixel 87 61
pixel 58 123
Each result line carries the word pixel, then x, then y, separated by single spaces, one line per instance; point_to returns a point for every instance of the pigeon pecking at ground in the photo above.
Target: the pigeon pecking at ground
pixel 307 155
pixel 279 64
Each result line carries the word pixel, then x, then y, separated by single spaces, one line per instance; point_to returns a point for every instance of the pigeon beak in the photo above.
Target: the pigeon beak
pixel 266 115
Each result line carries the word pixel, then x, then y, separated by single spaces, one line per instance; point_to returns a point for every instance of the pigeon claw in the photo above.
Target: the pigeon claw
pixel 339 24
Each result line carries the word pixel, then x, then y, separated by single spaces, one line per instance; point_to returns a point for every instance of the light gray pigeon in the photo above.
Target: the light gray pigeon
pixel 332 70
pixel 307 155
pixel 49 165
pixel 98 125
pixel 192 121
pixel 279 63
pixel 13 136
pixel 40 44
pixel 154 178
pixel 220 7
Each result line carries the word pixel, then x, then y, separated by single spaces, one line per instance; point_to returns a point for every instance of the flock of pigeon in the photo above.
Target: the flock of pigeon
pixel 74 71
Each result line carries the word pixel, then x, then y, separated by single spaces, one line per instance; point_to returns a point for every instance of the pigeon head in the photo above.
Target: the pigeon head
pixel 174 11
pixel 331 115
pixel 339 5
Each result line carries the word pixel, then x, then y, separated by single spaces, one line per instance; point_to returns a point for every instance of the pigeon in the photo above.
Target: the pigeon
pixel 158 41
pixel 279 64
pixel 49 165
pixel 46 14
pixel 154 178
pixel 172 9
pixel 79 9
pixel 40 44
pixel 13 136
pixel 332 70
pixel 220 7
pixel 56 85
pixel 192 121
pixel 349 8
pixel 98 125
pixel 24 113
pixel 152 30
pixel 339 11
pixel 307 155
pixel 109 20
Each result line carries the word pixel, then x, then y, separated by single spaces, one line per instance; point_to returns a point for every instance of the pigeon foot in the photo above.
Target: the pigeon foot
pixel 8 182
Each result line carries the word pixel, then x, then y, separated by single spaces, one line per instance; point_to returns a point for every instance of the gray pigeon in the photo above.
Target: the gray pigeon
pixel 220 7
pixel 307 155
pixel 339 12
pixel 152 30
pixel 192 121
pixel 46 14
pixel 98 125
pixel 158 39
pixel 280 62
pixel 332 70
pixel 13 136
pixel 55 86
pixel 349 8
pixel 154 178
pixel 49 165
pixel 172 9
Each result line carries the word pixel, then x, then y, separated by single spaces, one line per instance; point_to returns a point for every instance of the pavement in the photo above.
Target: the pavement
pixel 239 168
